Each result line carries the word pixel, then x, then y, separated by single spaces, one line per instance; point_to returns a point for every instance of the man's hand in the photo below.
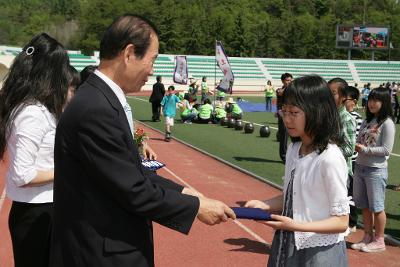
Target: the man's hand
pixel 191 192
pixel 256 204
pixel 149 153
pixel 213 212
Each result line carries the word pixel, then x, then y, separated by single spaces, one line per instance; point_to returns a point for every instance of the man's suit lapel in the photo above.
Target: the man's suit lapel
pixel 99 84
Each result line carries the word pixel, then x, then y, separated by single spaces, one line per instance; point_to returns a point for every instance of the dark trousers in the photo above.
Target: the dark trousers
pixel 30 228
pixel 268 103
pixel 283 139
pixel 205 121
pixel 396 112
pixel 189 118
pixel 203 97
pixel 235 116
pixel 156 108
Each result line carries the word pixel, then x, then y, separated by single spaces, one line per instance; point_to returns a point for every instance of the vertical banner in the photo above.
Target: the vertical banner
pixel 181 70
pixel 223 63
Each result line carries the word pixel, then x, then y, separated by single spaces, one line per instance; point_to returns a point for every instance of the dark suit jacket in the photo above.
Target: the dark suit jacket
pixel 158 93
pixel 104 200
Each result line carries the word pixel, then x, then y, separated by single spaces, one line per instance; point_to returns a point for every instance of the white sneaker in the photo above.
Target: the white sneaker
pixel 358 246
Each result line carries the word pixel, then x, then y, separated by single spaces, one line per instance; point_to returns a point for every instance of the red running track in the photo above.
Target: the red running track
pixel 236 243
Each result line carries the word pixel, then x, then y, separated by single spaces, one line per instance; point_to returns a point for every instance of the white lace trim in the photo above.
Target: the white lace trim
pixel 310 240
pixel 342 207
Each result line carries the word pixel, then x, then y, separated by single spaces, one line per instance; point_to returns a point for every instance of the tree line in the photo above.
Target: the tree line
pixel 247 28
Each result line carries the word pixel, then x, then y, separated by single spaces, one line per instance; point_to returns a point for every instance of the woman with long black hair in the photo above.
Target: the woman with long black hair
pixel 374 145
pixel 31 102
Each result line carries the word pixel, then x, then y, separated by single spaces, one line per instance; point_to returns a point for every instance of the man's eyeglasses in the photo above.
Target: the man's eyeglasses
pixel 292 114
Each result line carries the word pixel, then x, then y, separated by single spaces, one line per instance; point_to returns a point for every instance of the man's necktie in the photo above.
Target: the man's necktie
pixel 128 113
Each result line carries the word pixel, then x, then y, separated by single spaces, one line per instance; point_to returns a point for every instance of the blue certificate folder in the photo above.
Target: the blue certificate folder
pixel 252 213
pixel 152 164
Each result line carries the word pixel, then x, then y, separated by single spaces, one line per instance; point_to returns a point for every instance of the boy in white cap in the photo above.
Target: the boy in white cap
pixel 233 109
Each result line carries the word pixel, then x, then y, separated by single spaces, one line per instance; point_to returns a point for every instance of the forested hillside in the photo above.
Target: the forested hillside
pixel 260 28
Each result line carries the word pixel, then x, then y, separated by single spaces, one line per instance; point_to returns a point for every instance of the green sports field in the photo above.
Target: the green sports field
pixel 260 155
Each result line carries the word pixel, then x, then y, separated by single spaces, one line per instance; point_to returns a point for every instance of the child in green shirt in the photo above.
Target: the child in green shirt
pixel 269 94
pixel 204 89
pixel 188 114
pixel 233 109
pixel 205 112
pixel 219 112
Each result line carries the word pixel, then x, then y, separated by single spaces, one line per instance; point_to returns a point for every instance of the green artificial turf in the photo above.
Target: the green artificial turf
pixel 259 155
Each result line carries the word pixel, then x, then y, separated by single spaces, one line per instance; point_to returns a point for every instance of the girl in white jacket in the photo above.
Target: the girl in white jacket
pixel 314 205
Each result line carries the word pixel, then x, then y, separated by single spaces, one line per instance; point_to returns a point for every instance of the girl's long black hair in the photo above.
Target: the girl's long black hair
pixel 312 95
pixel 386 111
pixel 38 74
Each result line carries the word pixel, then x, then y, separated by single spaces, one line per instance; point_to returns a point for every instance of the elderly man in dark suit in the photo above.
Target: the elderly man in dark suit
pixel 156 96
pixel 104 200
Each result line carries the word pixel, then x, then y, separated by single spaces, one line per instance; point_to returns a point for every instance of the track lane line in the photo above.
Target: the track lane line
pixel 2 198
pixel 245 228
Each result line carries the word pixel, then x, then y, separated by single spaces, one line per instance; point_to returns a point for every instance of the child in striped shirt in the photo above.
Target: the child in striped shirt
pixel 352 95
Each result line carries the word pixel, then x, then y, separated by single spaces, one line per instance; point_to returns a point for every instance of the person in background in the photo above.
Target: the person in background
pixel 395 102
pixel 168 110
pixel 187 112
pixel 233 109
pixel 397 118
pixel 374 145
pixel 348 127
pixel 364 95
pixel 204 89
pixel 89 69
pixel 314 205
pixel 192 91
pixel 32 99
pixel 269 94
pixel 352 95
pixel 282 135
pixel 220 94
pixel 205 112
pixel 219 112
pixel 156 97
pixel 74 80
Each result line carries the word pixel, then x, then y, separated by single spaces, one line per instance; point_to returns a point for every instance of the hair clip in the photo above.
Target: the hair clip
pixel 29 51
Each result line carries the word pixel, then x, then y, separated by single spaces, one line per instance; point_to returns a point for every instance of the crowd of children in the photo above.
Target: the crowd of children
pixel 190 111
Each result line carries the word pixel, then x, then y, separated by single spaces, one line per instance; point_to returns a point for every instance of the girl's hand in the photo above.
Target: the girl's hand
pixel 282 222
pixel 256 204
pixel 358 147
